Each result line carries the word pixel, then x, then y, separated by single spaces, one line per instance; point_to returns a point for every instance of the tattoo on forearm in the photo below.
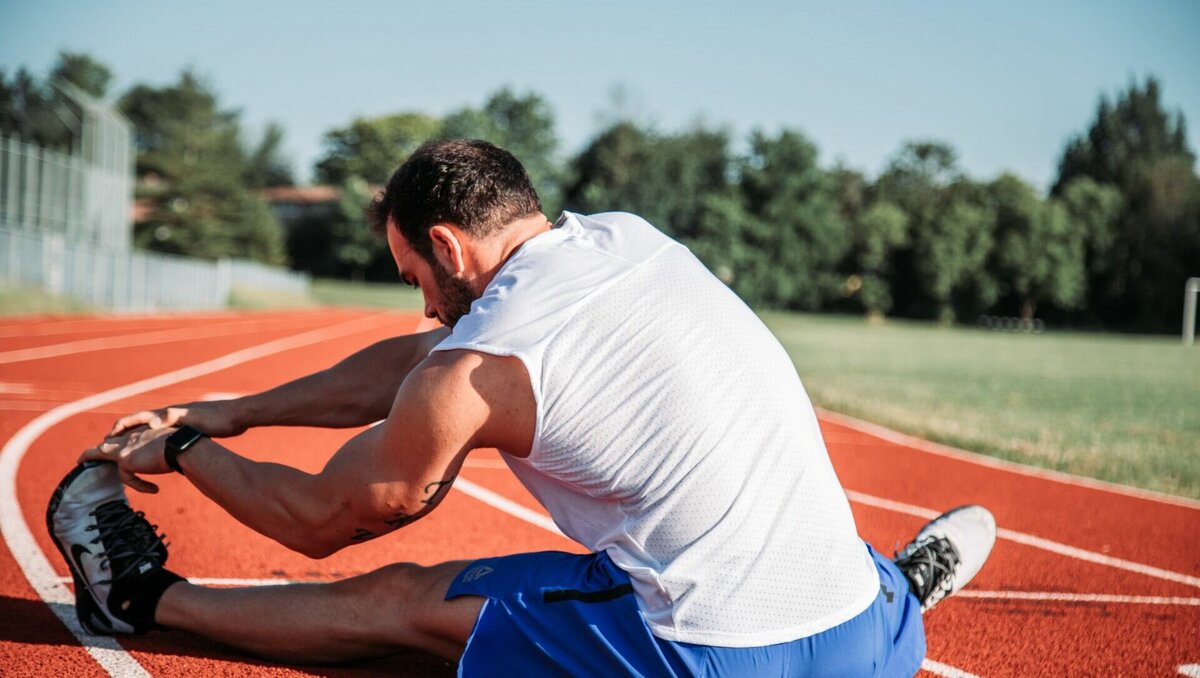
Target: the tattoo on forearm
pixel 437 485
pixel 433 493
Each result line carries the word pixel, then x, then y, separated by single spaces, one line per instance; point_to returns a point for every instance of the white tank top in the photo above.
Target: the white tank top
pixel 673 433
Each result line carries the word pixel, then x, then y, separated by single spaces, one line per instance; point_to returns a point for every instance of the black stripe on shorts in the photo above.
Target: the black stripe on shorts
pixel 563 595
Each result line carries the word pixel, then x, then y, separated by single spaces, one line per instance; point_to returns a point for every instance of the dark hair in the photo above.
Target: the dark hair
pixel 477 186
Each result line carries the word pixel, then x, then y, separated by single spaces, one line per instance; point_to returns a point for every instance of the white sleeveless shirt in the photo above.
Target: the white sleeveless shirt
pixel 673 433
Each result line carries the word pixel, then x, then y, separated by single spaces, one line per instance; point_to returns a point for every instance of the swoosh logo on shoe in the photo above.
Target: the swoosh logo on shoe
pixel 76 549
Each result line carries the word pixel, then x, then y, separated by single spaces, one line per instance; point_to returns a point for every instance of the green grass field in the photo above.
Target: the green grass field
pixel 326 292
pixel 22 300
pixel 1118 408
pixel 375 295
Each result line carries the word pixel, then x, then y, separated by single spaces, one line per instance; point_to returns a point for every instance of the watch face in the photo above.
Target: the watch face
pixel 183 438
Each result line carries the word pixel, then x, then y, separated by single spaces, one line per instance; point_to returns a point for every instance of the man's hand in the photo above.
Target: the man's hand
pixel 142 450
pixel 215 418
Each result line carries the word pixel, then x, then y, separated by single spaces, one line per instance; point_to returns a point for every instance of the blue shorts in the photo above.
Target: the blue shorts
pixel 561 614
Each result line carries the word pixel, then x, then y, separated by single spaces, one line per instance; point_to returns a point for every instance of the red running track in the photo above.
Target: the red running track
pixel 1085 580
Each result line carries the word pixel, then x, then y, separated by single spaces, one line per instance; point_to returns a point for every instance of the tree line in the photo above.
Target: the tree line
pixel 1110 245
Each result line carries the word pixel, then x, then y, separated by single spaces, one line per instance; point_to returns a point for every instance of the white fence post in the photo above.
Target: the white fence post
pixel 1190 290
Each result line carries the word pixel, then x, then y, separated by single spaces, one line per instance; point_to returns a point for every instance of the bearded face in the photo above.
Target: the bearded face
pixel 456 296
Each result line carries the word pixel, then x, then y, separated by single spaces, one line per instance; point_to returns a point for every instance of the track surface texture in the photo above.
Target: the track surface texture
pixel 1086 578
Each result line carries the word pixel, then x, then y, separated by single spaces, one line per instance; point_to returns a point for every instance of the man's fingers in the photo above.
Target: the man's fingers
pixel 93 454
pixel 136 482
pixel 131 421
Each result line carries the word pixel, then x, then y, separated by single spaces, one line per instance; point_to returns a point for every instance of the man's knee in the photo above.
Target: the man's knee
pixel 404 605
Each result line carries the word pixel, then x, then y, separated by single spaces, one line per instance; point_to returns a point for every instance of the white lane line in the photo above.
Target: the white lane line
pixel 88 323
pixel 1190 670
pixel 1054 596
pixel 1036 542
pixel 191 331
pixel 938 449
pixel 220 395
pixel 20 540
pixel 1098 558
pixel 507 505
pixel 945 670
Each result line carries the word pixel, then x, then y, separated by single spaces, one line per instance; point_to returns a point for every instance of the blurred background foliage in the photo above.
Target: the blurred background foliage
pixel 1108 246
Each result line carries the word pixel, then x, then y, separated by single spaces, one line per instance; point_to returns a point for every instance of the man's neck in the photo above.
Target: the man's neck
pixel 492 253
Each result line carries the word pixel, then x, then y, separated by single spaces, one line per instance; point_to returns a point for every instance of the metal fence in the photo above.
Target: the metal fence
pixel 132 280
pixel 65 226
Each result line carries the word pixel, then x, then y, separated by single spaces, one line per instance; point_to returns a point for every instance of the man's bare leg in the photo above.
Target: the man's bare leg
pixel 375 614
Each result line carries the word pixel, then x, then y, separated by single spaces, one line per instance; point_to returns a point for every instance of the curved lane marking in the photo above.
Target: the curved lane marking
pixel 141 339
pixel 21 543
pixel 940 450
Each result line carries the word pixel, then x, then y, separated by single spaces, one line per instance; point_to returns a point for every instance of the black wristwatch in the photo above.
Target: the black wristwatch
pixel 178 443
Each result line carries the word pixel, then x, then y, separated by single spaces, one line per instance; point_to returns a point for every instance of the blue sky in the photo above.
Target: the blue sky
pixel 1006 83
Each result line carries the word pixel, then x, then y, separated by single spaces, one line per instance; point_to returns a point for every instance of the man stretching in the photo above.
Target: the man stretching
pixel 638 399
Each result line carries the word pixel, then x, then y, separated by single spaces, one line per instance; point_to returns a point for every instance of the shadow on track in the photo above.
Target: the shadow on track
pixel 31 622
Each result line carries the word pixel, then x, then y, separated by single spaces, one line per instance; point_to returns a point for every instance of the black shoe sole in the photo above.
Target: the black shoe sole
pixel 87 608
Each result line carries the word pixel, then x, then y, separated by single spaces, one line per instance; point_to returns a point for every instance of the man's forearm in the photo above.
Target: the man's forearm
pixel 357 391
pixel 277 501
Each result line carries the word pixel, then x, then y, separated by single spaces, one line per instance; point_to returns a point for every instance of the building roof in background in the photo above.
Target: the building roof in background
pixel 303 195
pixel 141 210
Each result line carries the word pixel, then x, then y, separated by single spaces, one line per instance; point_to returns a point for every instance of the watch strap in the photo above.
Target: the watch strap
pixel 178 443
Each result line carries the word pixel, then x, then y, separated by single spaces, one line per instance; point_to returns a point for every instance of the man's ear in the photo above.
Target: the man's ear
pixel 448 248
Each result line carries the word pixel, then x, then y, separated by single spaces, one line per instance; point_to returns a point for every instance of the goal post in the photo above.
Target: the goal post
pixel 1190 291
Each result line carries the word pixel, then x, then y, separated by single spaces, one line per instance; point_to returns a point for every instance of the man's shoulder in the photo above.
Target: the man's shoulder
pixel 500 383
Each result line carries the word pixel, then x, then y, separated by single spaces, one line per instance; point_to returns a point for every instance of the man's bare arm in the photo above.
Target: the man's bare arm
pixel 384 478
pixel 356 391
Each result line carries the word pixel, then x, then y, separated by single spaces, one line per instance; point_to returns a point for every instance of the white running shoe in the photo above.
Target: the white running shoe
pixel 106 545
pixel 947 553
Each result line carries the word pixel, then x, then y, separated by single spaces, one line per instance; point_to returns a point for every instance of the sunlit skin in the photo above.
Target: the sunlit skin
pixel 469 262
pixel 439 407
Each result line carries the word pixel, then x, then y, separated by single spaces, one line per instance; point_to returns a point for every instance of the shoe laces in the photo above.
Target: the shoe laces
pixel 929 564
pixel 129 540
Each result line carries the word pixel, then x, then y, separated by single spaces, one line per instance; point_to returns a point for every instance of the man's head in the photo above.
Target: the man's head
pixel 446 211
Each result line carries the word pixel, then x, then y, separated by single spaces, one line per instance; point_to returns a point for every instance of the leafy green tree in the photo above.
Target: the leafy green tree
pixel 39 112
pixel 82 71
pixel 202 206
pixel 1096 208
pixel 356 245
pixel 795 224
pixel 22 106
pixel 879 231
pixel 951 252
pixel 266 167
pixel 1124 138
pixel 949 234
pixel 372 148
pixel 613 173
pixel 524 126
pixel 1136 146
pixel 1039 255
pixel 663 178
